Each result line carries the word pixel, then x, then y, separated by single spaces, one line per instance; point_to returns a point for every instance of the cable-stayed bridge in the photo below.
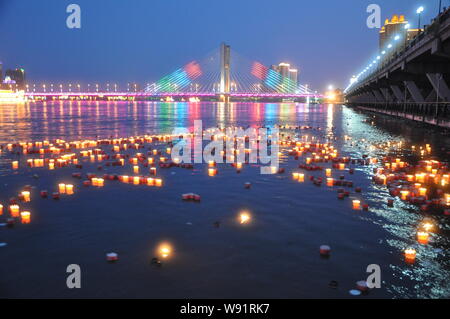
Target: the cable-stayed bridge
pixel 222 75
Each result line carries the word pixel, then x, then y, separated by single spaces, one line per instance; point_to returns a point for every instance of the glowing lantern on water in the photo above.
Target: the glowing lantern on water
pixel 422 191
pixel 273 169
pixel 1 209
pixel 164 250
pixel 308 160
pixel 158 182
pixel 427 226
pixel 14 210
pixel 295 176
pixel 25 217
pixel 150 160
pixel 26 196
pixel 100 182
pixel 356 204
pixel 422 237
pixel 134 161
pixel 150 181
pixel 330 182
pixel 410 255
pixel 153 170
pixel 51 166
pixel 238 165
pixel 15 165
pixel 136 180
pixel 404 195
pixel 125 179
pixel 136 169
pixel 69 189
pixel 341 166
pixel 212 171
pixel 244 218
pixel 122 162
pixel 328 172
pixel 62 188
pixel 301 178
pixel 410 178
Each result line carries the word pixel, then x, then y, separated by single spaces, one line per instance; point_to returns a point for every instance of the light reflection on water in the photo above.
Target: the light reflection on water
pixel 428 278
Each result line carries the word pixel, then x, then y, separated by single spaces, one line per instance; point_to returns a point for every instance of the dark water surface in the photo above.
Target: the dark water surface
pixel 275 256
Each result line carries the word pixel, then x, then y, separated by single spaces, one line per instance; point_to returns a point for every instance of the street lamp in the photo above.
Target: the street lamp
pixel 419 12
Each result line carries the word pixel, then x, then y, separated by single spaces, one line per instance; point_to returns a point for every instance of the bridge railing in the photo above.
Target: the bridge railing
pixel 432 113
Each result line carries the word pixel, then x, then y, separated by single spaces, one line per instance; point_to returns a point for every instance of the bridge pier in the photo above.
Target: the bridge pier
pixel 439 85
pixel 398 93
pixel 414 91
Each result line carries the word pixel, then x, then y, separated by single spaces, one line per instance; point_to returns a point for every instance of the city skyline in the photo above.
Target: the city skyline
pixel 78 56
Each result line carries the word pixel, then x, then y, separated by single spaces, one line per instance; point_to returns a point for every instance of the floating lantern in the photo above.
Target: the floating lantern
pixel 14 210
pixel 62 188
pixel 404 194
pixel 423 237
pixel 428 226
pixel 330 182
pixel 328 172
pixel 26 196
pixel 325 250
pixel 422 191
pixel 69 189
pixel 211 163
pixel 301 178
pixel 15 165
pixel 295 176
pixel 341 166
pixel 244 218
pixel 356 204
pixel 112 257
pixel 410 255
pixel 1 209
pixel 25 217
pixel 136 180
pixel 164 250
pixel 51 166
pixel 125 179
pixel 100 182
pixel 212 171
pixel 136 169
pixel 150 181
pixel 158 182
pixel 153 170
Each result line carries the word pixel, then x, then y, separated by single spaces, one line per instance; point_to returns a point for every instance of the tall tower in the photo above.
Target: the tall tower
pixel 225 51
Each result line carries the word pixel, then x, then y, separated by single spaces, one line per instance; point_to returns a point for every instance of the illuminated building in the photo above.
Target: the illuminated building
pixel 393 27
pixel 17 76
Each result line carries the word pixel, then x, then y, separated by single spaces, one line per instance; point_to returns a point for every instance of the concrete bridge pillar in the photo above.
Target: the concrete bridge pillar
pixel 398 93
pixel 378 96
pixel 386 94
pixel 439 85
pixel 415 92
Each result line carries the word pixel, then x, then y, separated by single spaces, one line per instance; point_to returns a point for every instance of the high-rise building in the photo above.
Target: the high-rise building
pixel 293 76
pixel 283 69
pixel 393 27
pixel 18 76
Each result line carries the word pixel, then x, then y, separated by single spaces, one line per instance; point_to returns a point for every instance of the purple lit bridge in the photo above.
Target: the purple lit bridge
pixel 223 75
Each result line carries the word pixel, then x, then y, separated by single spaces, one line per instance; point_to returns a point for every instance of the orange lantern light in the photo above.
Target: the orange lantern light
pixel 356 204
pixel 14 210
pixel 69 189
pixel 158 182
pixel 423 237
pixel 15 165
pixel 26 196
pixel 410 255
pixel 62 188
pixel 25 217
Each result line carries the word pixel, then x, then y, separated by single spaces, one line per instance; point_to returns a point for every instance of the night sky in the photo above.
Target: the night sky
pixel 142 40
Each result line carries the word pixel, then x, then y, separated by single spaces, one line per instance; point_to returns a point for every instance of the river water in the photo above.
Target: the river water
pixel 274 256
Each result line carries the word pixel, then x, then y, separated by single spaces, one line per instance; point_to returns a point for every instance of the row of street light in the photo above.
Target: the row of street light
pixel 364 73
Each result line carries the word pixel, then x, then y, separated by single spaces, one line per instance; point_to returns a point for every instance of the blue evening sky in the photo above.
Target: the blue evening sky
pixel 142 40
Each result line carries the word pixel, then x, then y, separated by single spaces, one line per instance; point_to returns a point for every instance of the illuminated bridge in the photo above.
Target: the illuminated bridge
pixel 222 75
pixel 409 79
